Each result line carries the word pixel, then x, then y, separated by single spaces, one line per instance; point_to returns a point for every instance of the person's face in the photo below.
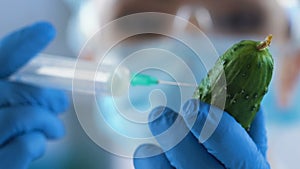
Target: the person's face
pixel 228 16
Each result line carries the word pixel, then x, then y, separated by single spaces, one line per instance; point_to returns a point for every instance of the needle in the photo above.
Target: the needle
pixel 146 80
pixel 176 83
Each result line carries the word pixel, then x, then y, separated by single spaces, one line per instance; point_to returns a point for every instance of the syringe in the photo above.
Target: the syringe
pixel 83 76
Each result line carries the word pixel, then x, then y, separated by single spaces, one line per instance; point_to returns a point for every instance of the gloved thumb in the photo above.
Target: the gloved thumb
pixel 17 48
pixel 228 142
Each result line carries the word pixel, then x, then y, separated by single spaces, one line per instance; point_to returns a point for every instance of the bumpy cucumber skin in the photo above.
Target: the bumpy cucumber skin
pixel 248 72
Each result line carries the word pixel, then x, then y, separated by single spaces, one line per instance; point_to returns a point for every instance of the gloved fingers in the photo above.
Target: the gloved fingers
pixel 228 142
pixel 149 156
pixel 181 147
pixel 18 94
pixel 20 46
pixel 258 132
pixel 23 149
pixel 23 119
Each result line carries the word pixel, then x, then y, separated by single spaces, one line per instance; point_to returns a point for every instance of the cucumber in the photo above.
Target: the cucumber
pixel 248 68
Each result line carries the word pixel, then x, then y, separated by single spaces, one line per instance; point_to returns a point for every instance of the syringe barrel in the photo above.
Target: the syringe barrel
pixel 74 75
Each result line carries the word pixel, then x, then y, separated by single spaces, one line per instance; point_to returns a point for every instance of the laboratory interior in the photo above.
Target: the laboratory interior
pixel 171 40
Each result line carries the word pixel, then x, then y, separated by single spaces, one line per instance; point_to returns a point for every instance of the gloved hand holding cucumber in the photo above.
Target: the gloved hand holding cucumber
pixel 239 140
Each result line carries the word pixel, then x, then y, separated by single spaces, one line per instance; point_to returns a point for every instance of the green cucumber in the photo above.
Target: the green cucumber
pixel 248 68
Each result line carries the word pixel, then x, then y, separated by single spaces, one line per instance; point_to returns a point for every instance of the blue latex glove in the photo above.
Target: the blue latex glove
pixel 230 146
pixel 28 114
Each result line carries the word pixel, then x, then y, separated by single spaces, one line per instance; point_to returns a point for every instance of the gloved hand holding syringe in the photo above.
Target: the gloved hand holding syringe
pixel 60 72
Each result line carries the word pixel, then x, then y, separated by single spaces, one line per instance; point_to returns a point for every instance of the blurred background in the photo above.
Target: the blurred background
pixel 224 22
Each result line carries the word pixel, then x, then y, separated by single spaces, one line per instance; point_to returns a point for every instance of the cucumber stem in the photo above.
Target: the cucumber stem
pixel 264 44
